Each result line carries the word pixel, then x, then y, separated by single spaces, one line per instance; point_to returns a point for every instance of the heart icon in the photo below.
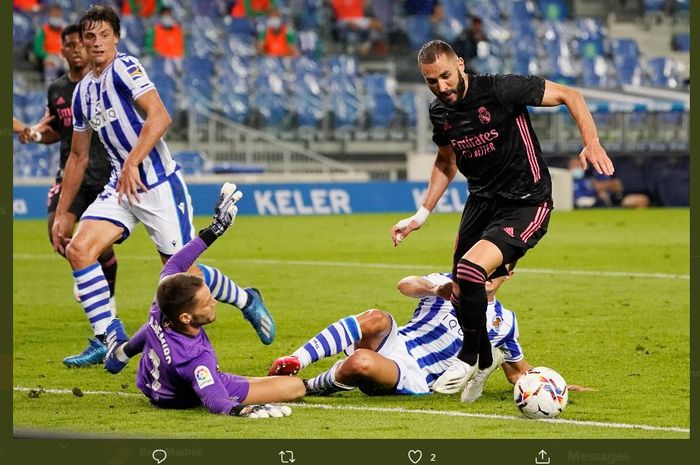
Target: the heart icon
pixel 415 455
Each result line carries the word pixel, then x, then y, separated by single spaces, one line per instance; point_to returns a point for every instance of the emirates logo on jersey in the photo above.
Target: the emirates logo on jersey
pixel 484 115
pixel 509 230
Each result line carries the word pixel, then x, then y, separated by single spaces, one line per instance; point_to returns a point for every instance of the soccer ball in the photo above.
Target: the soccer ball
pixel 541 393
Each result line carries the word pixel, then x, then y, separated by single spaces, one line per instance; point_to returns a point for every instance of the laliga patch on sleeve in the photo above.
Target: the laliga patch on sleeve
pixel 203 376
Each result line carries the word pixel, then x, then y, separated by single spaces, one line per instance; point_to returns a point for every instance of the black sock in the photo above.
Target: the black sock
pixel 472 308
pixel 108 262
pixel 485 354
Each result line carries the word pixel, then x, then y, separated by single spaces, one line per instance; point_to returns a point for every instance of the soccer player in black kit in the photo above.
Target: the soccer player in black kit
pixel 57 126
pixel 482 128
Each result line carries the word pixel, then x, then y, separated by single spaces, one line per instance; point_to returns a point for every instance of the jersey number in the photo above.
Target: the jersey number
pixel 153 357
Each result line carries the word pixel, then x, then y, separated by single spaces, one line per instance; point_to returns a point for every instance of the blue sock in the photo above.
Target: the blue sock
pixel 93 291
pixel 223 288
pixel 332 340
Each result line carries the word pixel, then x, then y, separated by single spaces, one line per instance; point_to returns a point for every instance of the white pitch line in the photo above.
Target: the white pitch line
pixel 395 266
pixel 447 413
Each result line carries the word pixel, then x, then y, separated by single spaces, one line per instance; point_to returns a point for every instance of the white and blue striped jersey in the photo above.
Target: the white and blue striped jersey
pixel 106 104
pixel 433 336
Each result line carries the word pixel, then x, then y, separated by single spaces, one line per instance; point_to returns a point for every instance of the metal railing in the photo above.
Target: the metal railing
pixel 227 144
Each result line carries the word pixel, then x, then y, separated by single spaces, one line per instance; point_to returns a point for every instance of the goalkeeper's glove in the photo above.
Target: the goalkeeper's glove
pixel 261 411
pixel 226 209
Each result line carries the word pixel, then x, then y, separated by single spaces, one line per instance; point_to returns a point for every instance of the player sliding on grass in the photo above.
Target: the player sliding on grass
pixel 386 359
pixel 179 368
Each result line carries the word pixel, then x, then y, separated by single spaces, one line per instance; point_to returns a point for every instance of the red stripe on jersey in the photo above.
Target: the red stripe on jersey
pixel 536 223
pixel 529 147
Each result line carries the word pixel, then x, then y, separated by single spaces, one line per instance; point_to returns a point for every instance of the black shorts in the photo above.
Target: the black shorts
pixel 513 228
pixel 83 198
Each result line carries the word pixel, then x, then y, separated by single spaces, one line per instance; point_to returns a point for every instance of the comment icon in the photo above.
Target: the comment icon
pixel 159 455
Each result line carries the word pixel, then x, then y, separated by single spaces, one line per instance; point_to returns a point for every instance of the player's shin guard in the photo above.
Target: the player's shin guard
pixel 332 340
pixel 222 287
pixel 471 279
pixel 94 297
pixel 325 383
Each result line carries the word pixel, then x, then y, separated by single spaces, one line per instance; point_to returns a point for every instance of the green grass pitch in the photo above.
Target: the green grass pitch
pixel 603 299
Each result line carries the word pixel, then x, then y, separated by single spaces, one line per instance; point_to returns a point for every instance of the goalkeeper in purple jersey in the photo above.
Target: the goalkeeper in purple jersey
pixel 179 368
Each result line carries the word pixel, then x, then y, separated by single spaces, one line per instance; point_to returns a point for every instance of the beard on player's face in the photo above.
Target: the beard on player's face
pixel 455 93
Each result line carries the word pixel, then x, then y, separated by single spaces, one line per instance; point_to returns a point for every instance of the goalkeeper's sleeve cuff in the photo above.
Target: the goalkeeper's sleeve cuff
pixel 208 236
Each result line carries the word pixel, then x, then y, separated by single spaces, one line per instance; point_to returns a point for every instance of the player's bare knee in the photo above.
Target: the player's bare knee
pixel 359 364
pixel 373 322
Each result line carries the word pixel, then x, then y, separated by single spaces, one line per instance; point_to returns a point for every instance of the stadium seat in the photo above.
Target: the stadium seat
pixel 242 26
pixel 167 89
pixel 307 100
pixel 597 72
pixel 419 30
pixel 453 18
pixel 132 35
pixel 380 105
pixel 270 100
pixel 307 13
pixel 407 105
pixel 554 9
pixel 242 45
pixel 206 8
pixel 654 6
pixel 681 42
pixel 192 162
pixel 342 65
pixel 663 72
pixel 626 58
pixel 22 29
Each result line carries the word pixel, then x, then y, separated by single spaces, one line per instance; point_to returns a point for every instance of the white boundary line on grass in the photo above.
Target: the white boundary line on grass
pixel 447 413
pixel 262 261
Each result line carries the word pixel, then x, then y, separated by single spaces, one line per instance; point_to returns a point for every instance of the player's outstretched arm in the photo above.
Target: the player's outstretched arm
pixel 224 214
pixel 418 287
pixel 557 94
pixel 444 171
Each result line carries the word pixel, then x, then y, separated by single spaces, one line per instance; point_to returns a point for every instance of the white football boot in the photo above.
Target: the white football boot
pixel 454 378
pixel 475 386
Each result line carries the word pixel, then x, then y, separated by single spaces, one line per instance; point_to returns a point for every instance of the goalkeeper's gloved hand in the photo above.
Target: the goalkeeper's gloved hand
pixel 225 210
pixel 261 411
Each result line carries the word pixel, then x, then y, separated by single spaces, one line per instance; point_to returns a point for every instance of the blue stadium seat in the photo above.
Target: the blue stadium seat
pixel 597 72
pixel 654 6
pixel 453 19
pixel 663 72
pixel 419 30
pixel 233 96
pixel 192 162
pixel 554 9
pixel 307 13
pixel 132 35
pixel 521 10
pixel 22 29
pixel 197 79
pixel 342 65
pixel 307 100
pixel 407 103
pixel 242 45
pixel 485 9
pixel 242 26
pixel 206 8
pixel 626 59
pixel 681 42
pixel 270 99
pixel 306 64
pixel 167 89
pixel 34 105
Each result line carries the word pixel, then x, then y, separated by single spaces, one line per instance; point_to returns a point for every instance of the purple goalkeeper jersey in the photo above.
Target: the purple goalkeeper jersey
pixel 181 371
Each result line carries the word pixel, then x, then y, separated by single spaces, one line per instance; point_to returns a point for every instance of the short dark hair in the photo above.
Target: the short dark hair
pixel 99 13
pixel 430 52
pixel 68 30
pixel 176 294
